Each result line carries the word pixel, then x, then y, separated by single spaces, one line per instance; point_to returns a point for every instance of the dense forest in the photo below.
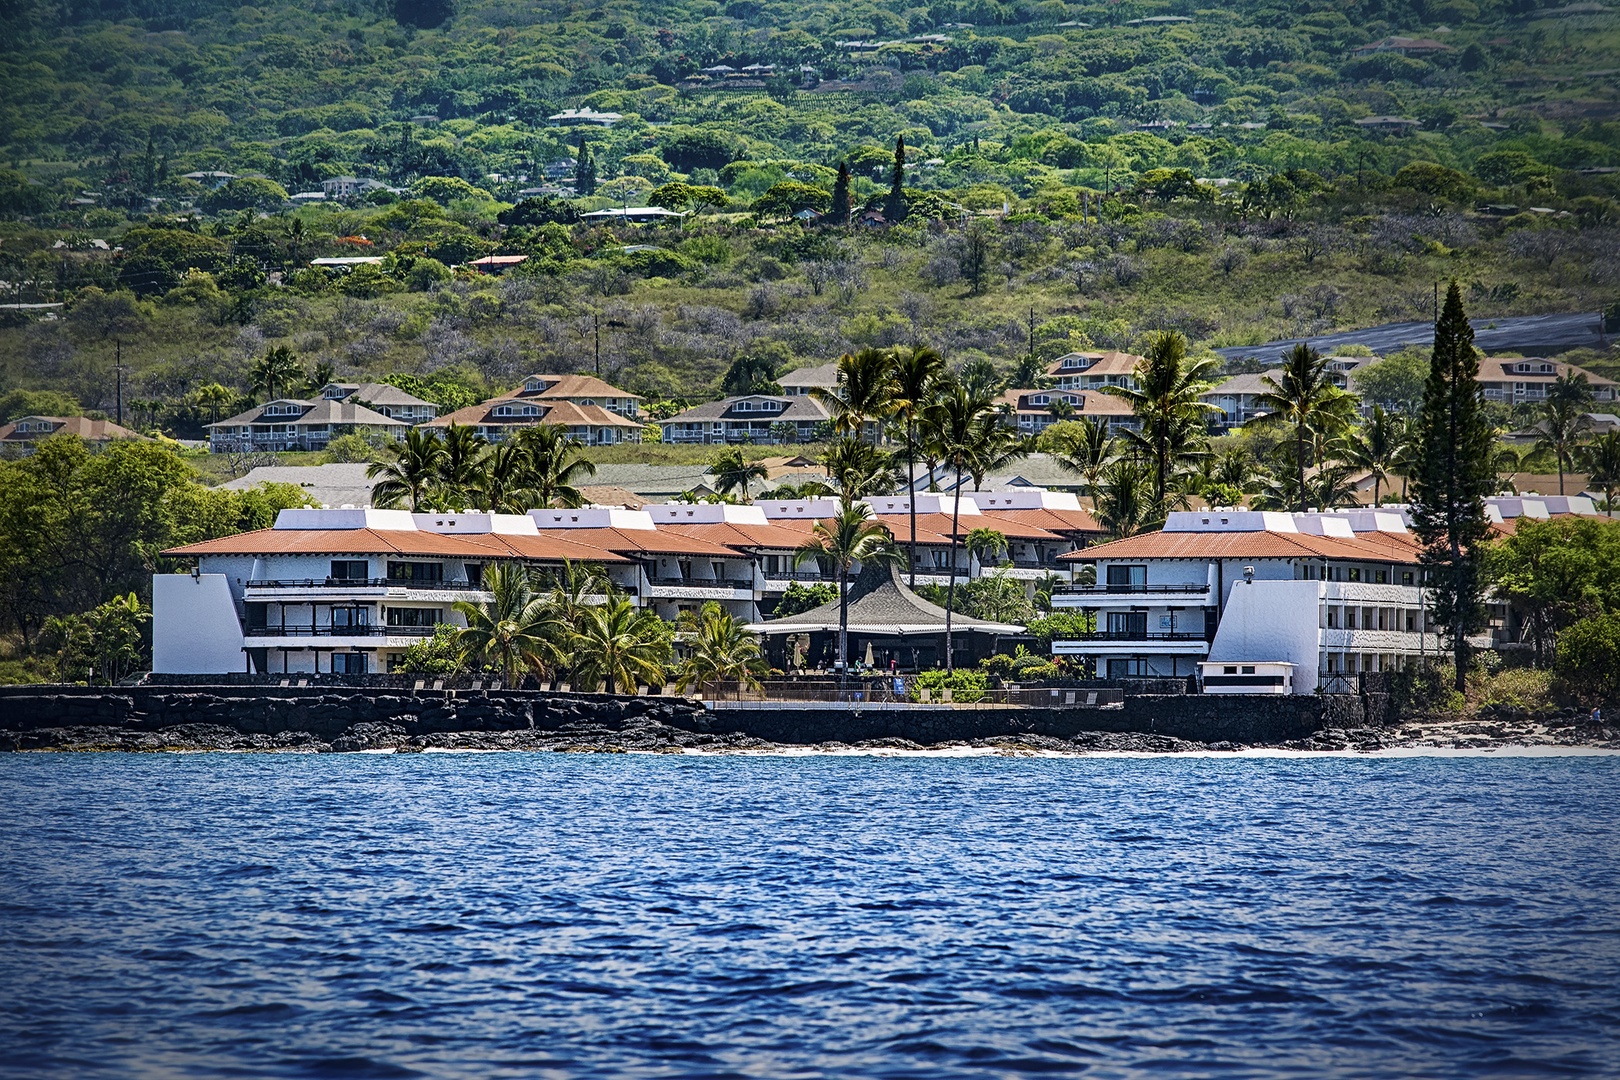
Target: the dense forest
pixel 1072 174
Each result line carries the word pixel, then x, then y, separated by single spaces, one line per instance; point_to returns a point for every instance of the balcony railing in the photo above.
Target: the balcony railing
pixel 357 583
pixel 705 583
pixel 339 631
pixel 1133 635
pixel 1137 590
pixel 797 575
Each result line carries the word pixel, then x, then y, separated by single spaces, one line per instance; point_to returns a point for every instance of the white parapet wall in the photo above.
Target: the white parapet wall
pixel 195 630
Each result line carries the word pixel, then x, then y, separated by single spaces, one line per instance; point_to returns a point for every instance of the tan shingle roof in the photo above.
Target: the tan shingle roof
pixel 82 426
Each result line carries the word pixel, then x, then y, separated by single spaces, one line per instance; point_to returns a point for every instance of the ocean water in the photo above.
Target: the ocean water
pixel 552 915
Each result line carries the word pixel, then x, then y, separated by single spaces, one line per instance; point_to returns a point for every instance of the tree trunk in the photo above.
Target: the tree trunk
pixel 1299 463
pixel 911 495
pixel 843 622
pixel 950 585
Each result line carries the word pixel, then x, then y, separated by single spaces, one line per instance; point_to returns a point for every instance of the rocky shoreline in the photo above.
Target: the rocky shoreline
pixel 651 735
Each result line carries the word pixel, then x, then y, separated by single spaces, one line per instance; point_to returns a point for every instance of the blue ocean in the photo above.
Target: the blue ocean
pixel 551 915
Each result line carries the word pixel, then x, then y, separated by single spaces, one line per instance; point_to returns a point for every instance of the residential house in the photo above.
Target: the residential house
pixel 752 418
pixel 210 178
pixel 1238 398
pixel 349 187
pixel 1513 380
pixel 585 116
pixel 25 431
pixel 1033 411
pixel 801 381
pixel 1090 370
pixel 390 401
pixel 296 424
pixel 595 413
pixel 1405 46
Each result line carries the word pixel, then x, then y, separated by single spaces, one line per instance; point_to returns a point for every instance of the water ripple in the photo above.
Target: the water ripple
pixel 572 916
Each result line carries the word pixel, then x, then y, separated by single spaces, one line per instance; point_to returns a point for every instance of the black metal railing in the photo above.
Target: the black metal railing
pixel 1132 635
pixel 1134 590
pixel 338 631
pixel 797 575
pixel 358 583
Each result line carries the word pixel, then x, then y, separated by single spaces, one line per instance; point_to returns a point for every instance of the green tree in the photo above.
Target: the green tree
pixel 510 630
pixel 1166 401
pixel 733 473
pixel 895 208
pixel 1452 476
pixel 751 373
pixel 1123 497
pixel 460 469
pixel 1082 446
pixel 1602 461
pixel 787 198
pixel 718 650
pixel 1302 396
pixel 557 465
pixel 276 373
pixel 1589 657
pixel 1552 573
pixel 988 545
pixel 1381 447
pixel 107 644
pixel 917 370
pixel 584 170
pixel 866 390
pixel 1396 382
pixel 841 200
pixel 618 645
pixel 801 596
pixel 437 655
pixel 851 536
pixel 408 472
pixel 857 468
pixel 1559 431
pixel 956 432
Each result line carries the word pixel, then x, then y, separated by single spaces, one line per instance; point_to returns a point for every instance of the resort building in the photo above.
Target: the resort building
pixel 1089 370
pixel 753 418
pixel 1033 411
pixel 593 412
pixel 1513 380
pixel 382 398
pixel 799 382
pixel 296 424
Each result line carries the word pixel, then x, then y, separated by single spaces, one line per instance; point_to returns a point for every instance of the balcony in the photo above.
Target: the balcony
pixel 302 631
pixel 1131 642
pixel 357 583
pixel 1135 635
pixel 796 575
pixel 1187 589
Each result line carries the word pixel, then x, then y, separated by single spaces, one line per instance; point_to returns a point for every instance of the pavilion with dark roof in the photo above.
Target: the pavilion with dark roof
pixel 887 622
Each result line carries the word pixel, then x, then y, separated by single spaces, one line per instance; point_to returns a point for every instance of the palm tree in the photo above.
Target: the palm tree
pixel 503 478
pixel 1123 497
pixel 510 629
pixel 618 645
pixel 850 537
pixel 318 377
pixel 556 465
pixel 276 371
pixel 989 545
pixel 214 397
pixel 956 429
pixel 1563 421
pixel 410 474
pixel 1165 400
pixel 460 468
pixel 916 372
pixel 808 489
pixel 575 589
pixel 1381 447
pixel 1602 458
pixel 1083 446
pixel 1303 396
pixel 858 468
pixel 995 445
pixel 719 650
pixel 733 472
pixel 866 390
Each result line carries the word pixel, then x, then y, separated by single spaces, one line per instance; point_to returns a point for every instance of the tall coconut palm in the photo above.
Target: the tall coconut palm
pixel 460 468
pixel 1165 400
pixel 510 629
pixel 556 465
pixel 214 397
pixel 734 473
pixel 988 545
pixel 718 649
pixel 1380 447
pixel 1302 396
pixel 917 370
pixel 276 372
pixel 575 589
pixel 866 391
pixel 996 444
pixel 1082 446
pixel 1563 422
pixel 1123 497
pixel 956 428
pixel 409 473
pixel 858 468
pixel 503 479
pixel 1602 459
pixel 850 537
pixel 618 645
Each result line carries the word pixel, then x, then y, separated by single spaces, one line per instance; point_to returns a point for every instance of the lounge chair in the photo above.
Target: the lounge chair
pixel 438 684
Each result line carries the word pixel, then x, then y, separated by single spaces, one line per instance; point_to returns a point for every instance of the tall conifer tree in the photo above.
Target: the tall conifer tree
pixel 840 196
pixel 1452 478
pixel 585 170
pixel 894 207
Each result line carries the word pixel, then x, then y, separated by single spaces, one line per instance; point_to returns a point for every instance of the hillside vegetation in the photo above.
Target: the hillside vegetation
pixel 1072 176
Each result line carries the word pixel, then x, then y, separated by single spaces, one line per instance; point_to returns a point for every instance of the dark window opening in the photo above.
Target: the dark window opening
pixel 415 571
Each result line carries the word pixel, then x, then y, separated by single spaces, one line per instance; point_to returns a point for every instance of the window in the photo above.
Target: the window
pixel 1128 669
pixel 413 616
pixel 1126 578
pixel 1411 622
pixel 349 663
pixel 475 574
pixel 745 406
pixel 1406 577
pixel 1332 618
pixel 1130 625
pixel 415 572
pixel 350 570
pixel 1248 669
pixel 1382 577
pixel 1229 669
pixel 1349 618
pixel 1040 399
pixel 350 618
pixel 1355 573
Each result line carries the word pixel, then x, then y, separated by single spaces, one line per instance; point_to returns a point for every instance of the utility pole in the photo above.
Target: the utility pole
pixel 118 374
pixel 1437 301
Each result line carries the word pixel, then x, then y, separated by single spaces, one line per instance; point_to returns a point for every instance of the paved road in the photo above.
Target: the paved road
pixel 1533 335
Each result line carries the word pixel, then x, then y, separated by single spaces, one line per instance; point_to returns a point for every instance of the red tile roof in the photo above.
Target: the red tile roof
pixel 1368 547
pixel 547 547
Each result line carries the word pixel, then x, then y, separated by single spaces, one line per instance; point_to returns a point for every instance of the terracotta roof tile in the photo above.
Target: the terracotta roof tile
pixel 1370 547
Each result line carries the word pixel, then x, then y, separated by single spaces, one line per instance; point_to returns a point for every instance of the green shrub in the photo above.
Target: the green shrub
pixel 1589 657
pixel 965 684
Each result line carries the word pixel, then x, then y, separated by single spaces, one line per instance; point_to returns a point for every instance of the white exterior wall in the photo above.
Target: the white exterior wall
pixel 1271 621
pixel 194 626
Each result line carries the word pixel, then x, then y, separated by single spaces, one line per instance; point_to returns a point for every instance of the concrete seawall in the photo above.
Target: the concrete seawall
pixel 329 713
